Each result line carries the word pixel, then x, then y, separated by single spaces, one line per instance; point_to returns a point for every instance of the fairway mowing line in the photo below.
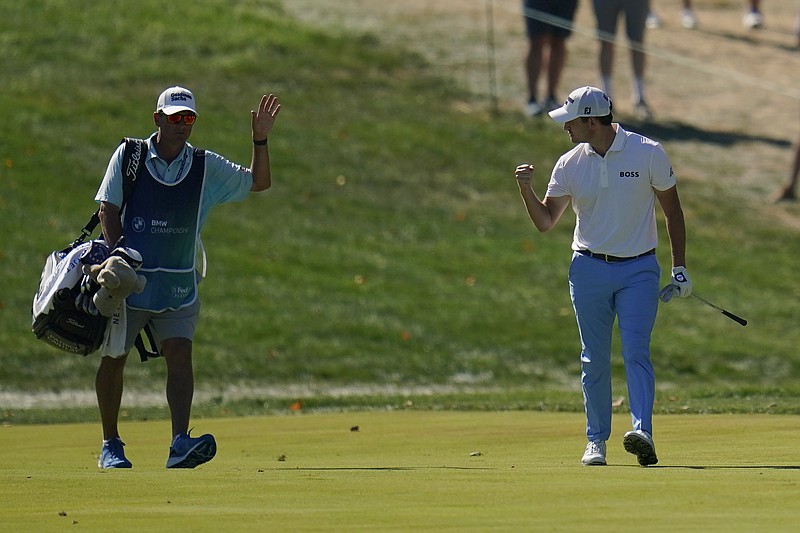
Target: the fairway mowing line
pixel 380 468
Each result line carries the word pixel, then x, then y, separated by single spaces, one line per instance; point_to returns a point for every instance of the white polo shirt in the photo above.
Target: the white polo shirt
pixel 613 196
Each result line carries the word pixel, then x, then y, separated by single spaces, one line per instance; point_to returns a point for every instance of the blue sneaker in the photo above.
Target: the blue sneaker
pixel 112 455
pixel 188 452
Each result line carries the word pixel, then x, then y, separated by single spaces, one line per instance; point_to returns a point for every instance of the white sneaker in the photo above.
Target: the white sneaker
pixel 642 111
pixel 688 20
pixel 641 445
pixel 534 108
pixel 595 454
pixel 752 20
pixel 653 22
pixel 551 104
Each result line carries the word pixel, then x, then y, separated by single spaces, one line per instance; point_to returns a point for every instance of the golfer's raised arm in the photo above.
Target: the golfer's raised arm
pixel 262 120
pixel 543 214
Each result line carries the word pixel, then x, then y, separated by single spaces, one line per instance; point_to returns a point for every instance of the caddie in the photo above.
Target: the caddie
pixel 612 178
pixel 163 219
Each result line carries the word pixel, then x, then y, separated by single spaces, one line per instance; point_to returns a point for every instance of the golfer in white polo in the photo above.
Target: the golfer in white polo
pixel 612 178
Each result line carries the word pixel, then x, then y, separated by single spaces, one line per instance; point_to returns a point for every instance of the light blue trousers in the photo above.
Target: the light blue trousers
pixel 628 292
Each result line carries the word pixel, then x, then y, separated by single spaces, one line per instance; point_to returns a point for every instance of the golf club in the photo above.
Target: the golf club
pixel 728 314
pixel 669 291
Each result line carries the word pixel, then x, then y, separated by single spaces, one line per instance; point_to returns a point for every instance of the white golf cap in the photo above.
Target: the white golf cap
pixel 583 102
pixel 176 99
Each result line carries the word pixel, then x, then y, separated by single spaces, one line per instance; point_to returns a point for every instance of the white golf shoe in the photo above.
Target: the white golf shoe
pixel 533 108
pixel 753 20
pixel 595 454
pixel 641 445
pixel 688 20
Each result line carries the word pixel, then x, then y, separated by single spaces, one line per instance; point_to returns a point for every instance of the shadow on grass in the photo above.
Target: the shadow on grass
pixel 727 467
pixel 679 131
pixel 382 468
pixel 747 38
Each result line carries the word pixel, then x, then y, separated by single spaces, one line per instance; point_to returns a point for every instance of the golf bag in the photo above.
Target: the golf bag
pixel 58 316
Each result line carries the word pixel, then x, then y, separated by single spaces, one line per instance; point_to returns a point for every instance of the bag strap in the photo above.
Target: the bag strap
pixel 133 164
pixel 132 167
pixel 147 350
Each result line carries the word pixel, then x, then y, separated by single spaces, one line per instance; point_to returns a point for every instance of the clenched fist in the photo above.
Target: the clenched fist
pixel 524 174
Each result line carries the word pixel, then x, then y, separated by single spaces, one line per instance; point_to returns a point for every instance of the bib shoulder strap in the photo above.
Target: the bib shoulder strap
pixel 133 163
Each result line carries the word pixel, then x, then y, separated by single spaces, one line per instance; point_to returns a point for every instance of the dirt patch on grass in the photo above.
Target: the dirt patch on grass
pixel 725 99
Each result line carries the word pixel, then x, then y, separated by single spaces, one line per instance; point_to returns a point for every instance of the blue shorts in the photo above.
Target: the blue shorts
pixel 539 15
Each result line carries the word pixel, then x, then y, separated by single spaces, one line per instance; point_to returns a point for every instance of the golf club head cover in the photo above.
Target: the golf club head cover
pixel 131 256
pixel 95 254
pixel 117 280
pixel 680 278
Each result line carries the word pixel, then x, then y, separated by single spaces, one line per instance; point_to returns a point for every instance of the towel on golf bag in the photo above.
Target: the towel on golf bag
pixel 114 339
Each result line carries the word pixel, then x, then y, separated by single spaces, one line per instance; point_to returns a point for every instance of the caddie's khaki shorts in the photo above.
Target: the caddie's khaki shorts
pixel 163 325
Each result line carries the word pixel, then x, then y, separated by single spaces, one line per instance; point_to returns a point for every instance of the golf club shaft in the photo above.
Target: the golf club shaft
pixel 728 314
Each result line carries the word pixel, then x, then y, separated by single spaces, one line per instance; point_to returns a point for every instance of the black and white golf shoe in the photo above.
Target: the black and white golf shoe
pixel 641 445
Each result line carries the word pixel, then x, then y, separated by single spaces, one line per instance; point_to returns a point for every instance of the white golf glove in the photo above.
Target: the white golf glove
pixel 680 279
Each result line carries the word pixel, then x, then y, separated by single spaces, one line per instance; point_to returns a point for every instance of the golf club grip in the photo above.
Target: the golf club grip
pixel 735 318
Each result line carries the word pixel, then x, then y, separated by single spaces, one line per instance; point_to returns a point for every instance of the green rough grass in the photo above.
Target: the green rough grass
pixel 393 248
pixel 408 471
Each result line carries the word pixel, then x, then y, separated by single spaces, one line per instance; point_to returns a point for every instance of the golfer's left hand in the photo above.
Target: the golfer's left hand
pixel 680 278
pixel 263 118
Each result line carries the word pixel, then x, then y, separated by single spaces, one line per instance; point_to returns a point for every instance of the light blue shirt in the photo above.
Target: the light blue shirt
pixel 225 181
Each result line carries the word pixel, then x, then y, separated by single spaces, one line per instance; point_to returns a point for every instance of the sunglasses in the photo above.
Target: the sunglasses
pixel 176 119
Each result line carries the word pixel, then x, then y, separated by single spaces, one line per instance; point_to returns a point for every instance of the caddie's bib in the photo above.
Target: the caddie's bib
pixel 161 221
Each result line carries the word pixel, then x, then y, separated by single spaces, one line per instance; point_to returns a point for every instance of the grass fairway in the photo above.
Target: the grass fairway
pixel 408 471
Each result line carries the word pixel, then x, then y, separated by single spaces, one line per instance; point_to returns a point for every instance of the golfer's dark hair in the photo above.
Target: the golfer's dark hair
pixel 605 120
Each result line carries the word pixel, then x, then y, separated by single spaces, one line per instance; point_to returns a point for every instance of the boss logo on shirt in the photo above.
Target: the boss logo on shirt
pixel 628 174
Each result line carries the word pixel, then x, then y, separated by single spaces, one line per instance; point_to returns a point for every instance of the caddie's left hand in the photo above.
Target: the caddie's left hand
pixel 680 278
pixel 263 118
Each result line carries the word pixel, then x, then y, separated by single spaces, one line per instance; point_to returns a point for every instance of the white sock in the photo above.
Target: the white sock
pixel 638 89
pixel 607 86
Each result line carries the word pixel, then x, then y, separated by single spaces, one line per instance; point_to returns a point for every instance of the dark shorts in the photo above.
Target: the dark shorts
pixel 607 13
pixel 539 17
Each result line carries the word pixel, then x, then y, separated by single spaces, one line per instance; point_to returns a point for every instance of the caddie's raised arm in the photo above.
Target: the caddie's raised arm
pixel 263 119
